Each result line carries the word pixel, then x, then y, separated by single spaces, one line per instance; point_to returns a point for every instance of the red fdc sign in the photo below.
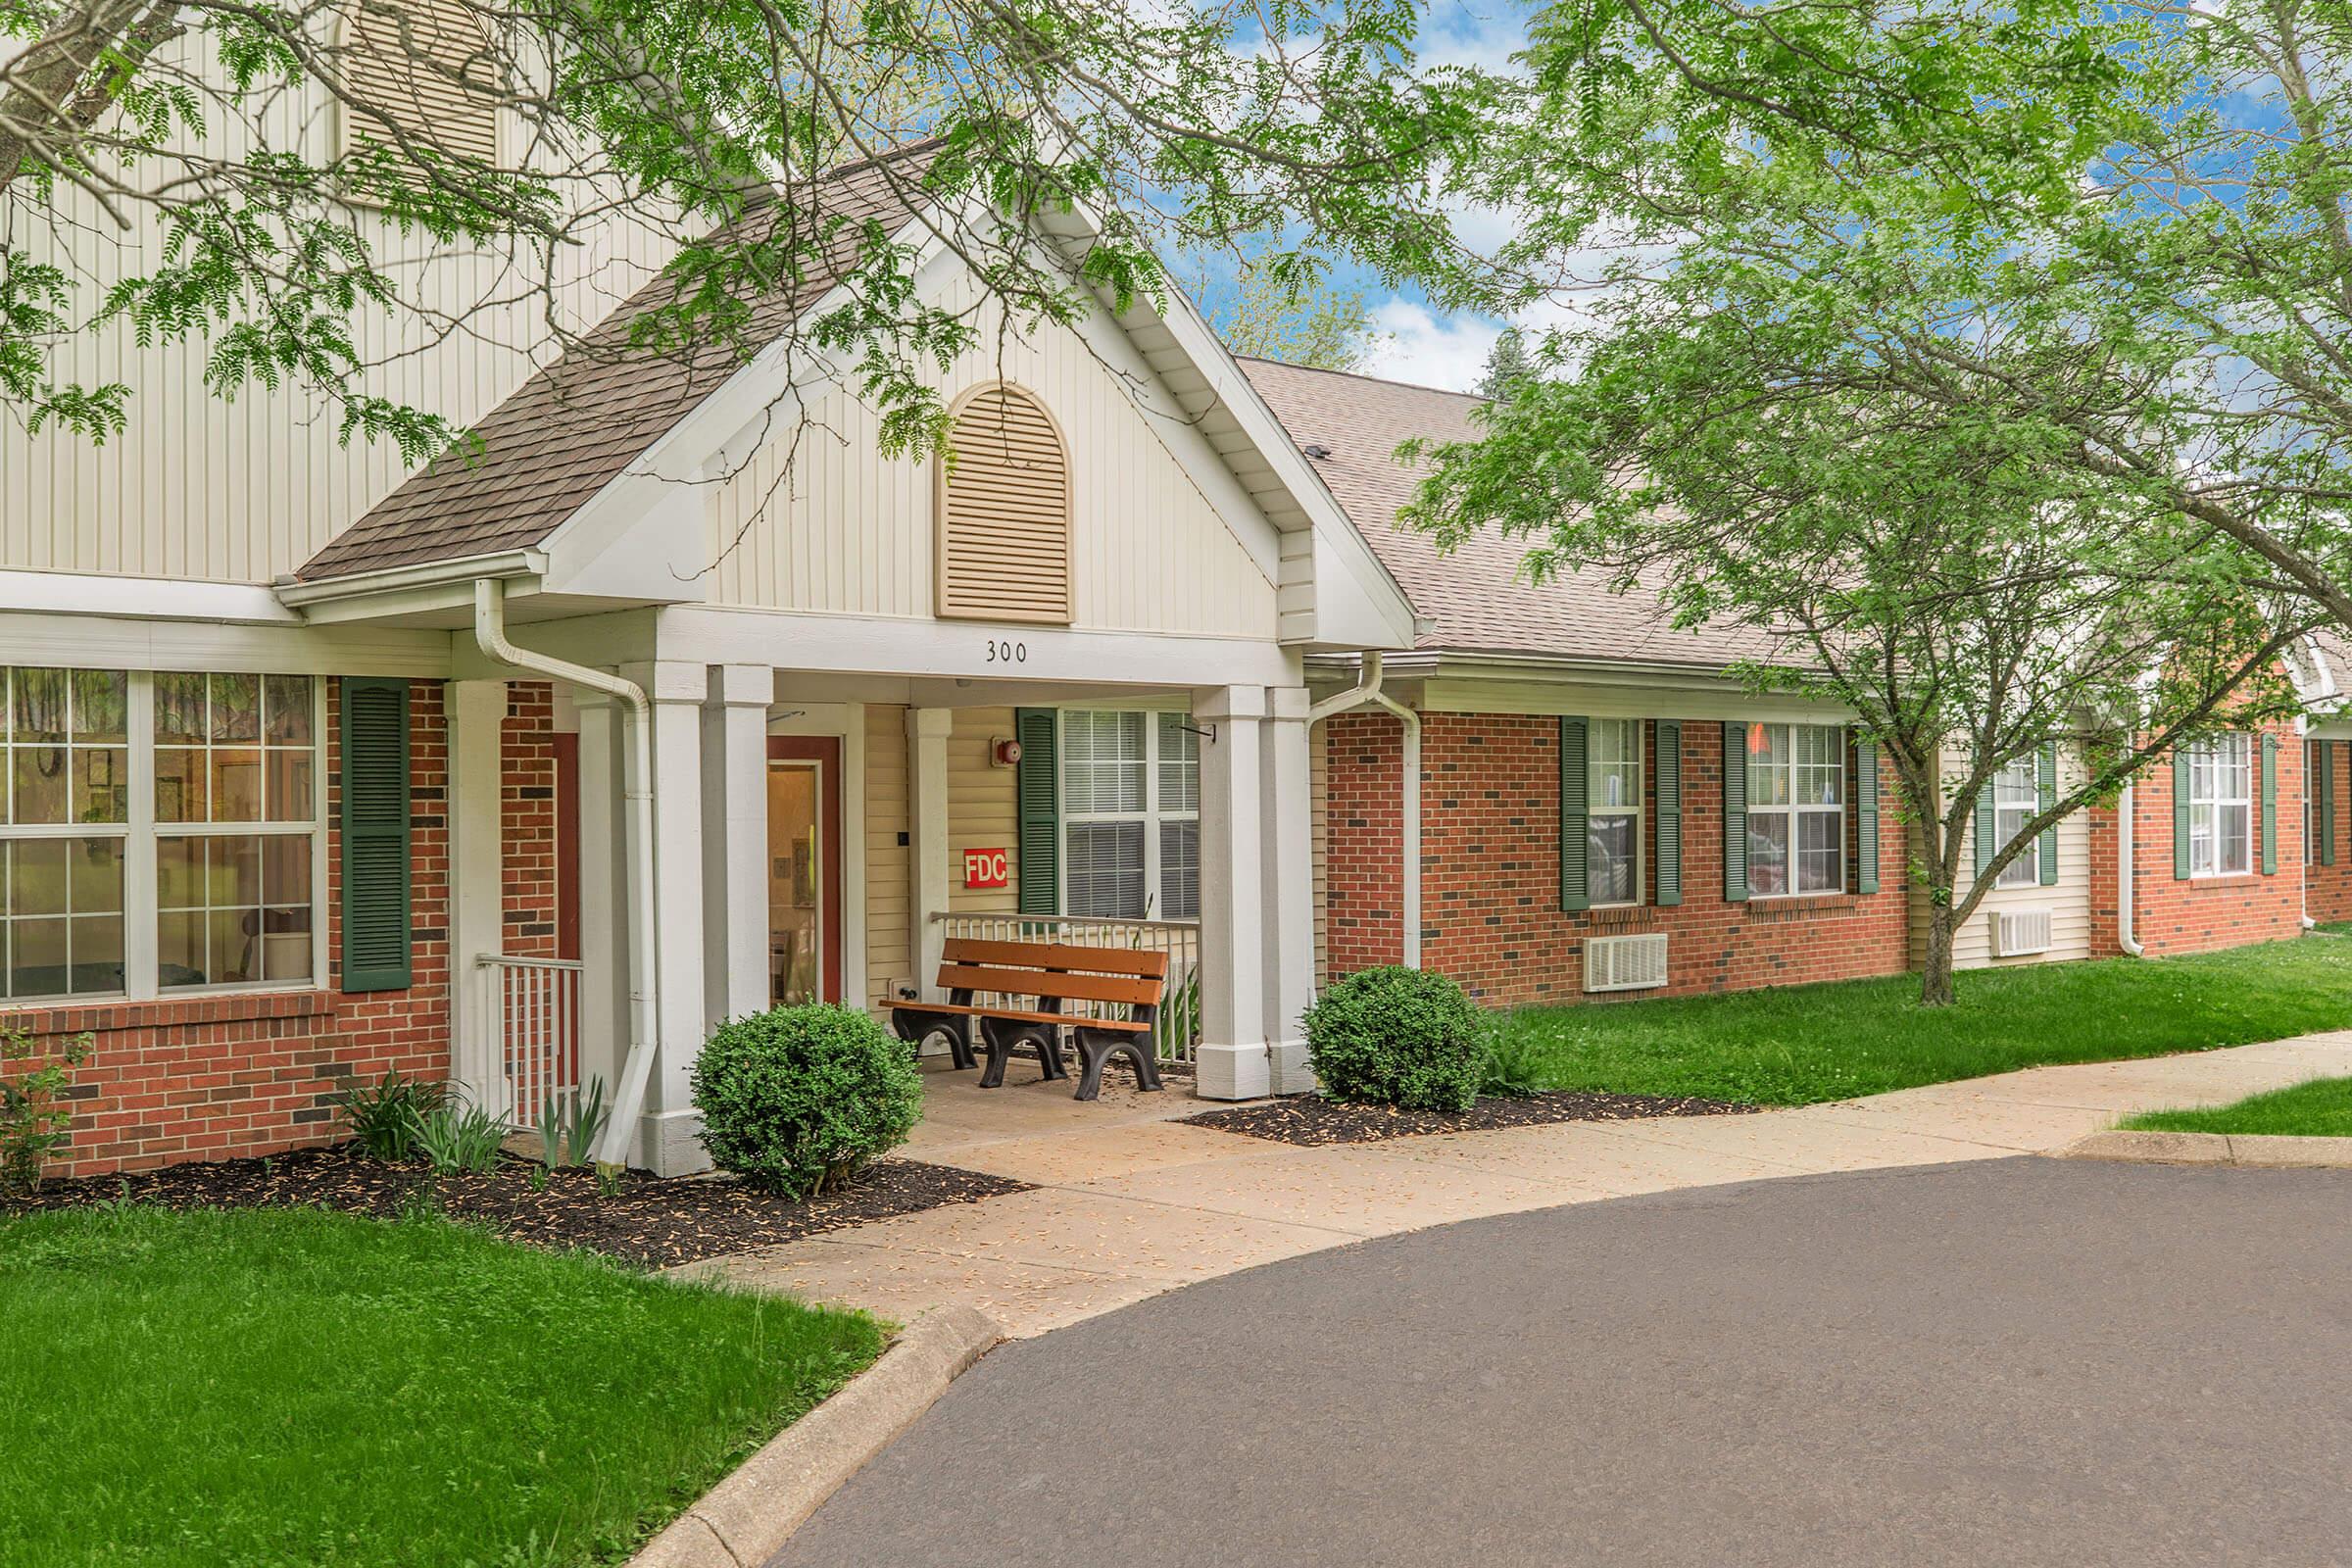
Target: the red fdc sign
pixel 987 869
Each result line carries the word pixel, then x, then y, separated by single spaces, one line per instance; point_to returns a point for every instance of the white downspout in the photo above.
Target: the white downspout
pixel 2128 832
pixel 490 635
pixel 1366 693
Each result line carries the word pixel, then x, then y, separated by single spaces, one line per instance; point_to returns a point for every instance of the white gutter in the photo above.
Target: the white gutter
pixel 1366 693
pixel 299 594
pixel 490 635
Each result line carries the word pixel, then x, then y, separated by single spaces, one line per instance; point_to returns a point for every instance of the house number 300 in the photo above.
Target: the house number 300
pixel 1007 653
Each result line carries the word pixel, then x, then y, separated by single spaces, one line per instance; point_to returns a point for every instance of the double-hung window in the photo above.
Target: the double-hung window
pixel 1795 809
pixel 2015 802
pixel 1131 815
pixel 2220 812
pixel 69 829
pixel 162 832
pixel 1614 810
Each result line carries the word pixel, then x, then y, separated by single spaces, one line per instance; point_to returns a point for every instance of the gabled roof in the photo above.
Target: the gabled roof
pixel 576 426
pixel 1476 597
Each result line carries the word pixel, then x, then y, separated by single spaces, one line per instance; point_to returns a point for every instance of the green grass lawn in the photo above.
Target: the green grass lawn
pixel 2320 1108
pixel 291 1386
pixel 1796 1045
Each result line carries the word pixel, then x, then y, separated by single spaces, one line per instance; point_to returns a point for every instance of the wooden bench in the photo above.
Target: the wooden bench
pixel 1048 974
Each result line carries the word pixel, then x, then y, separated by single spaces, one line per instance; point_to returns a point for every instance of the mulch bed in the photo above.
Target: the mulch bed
pixel 650 1221
pixel 1313 1119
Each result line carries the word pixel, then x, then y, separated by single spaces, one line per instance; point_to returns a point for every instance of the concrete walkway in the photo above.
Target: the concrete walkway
pixel 1128 1204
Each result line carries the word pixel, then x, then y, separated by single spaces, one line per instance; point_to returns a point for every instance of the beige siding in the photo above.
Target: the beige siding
pixel 818 519
pixel 983 810
pixel 1318 795
pixel 2068 899
pixel 240 491
pixel 887 947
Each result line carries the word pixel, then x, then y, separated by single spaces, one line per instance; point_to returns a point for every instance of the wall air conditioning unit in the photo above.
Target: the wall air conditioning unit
pixel 2018 932
pixel 1624 963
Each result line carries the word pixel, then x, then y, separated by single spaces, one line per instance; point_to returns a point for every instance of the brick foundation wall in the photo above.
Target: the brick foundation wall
pixel 214 1076
pixel 2330 887
pixel 2171 915
pixel 1490 870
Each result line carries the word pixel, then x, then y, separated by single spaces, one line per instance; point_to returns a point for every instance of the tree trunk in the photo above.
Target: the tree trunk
pixel 48 106
pixel 1935 974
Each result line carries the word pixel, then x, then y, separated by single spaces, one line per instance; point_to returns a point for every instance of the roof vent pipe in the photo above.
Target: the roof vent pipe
pixel 1367 693
pixel 490 635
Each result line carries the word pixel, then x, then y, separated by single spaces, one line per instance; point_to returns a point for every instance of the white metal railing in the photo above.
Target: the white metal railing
pixel 1179 1027
pixel 531 1013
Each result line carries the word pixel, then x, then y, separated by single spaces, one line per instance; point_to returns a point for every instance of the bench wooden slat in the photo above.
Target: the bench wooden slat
pixel 1018 1017
pixel 1066 955
pixel 1038 983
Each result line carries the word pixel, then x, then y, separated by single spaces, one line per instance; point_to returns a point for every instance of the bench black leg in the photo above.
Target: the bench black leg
pixel 1095 1048
pixel 1004 1041
pixel 914 1026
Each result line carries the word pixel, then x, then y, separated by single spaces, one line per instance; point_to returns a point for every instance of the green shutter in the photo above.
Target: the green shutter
pixel 2324 754
pixel 376 847
pixel 1734 812
pixel 1038 785
pixel 1575 887
pixel 2180 813
pixel 2270 805
pixel 1866 816
pixel 1989 827
pixel 2048 778
pixel 1670 810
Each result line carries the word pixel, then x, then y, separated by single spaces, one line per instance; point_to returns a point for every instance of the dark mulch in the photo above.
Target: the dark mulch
pixel 649 1221
pixel 1313 1119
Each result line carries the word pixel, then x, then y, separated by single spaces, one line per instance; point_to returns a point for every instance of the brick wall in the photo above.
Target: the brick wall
pixel 214 1076
pixel 2329 892
pixel 1490 870
pixel 2171 915
pixel 527 808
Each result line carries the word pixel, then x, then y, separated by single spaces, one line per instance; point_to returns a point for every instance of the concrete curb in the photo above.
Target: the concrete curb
pixel 745 1518
pixel 2214 1148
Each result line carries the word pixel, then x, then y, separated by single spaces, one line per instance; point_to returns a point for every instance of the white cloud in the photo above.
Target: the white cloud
pixel 1430 349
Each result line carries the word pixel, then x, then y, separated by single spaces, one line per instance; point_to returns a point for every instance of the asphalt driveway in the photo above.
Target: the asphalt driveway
pixel 2018 1362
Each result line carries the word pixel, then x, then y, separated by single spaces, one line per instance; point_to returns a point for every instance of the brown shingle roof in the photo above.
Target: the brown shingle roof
pixel 1477 596
pixel 574 426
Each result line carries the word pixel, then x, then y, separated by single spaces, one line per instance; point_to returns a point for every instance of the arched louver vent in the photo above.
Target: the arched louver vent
pixel 1004 512
pixel 419 71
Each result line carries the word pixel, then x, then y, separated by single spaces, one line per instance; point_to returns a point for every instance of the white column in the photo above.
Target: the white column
pixel 735 842
pixel 926 838
pixel 1232 1062
pixel 666 1143
pixel 1287 880
pixel 477 714
pixel 604 890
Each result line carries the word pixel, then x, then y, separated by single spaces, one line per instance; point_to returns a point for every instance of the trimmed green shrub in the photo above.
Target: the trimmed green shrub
pixel 797 1100
pixel 1398 1037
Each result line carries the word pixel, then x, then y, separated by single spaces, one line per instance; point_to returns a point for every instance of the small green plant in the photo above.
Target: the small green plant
pixel 798 1099
pixel 1400 1036
pixel 1514 1067
pixel 608 1178
pixel 35 1119
pixel 385 1116
pixel 461 1138
pixel 570 1124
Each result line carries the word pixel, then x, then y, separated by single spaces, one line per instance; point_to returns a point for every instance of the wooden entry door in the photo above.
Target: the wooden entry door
pixel 803 869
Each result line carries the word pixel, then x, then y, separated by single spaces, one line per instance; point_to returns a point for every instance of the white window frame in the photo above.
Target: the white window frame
pixel 2010 816
pixel 1795 810
pixel 141 967
pixel 1594 808
pixel 1152 816
pixel 2311 802
pixel 2212 762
